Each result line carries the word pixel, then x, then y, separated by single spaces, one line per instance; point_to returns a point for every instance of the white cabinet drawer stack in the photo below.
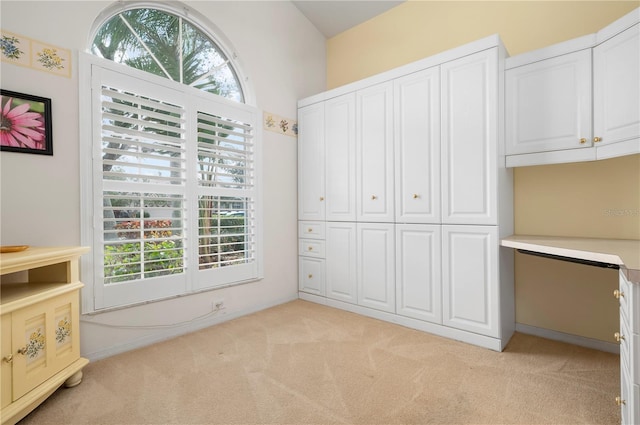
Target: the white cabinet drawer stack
pixel 405 173
pixel 629 337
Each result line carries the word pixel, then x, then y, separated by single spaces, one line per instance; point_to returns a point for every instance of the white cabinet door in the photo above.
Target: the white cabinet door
pixel 617 87
pixel 311 162
pixel 341 261
pixel 548 104
pixel 418 282
pixel 417 147
pixel 374 153
pixel 470 279
pixel 469 139
pixel 376 266
pixel 311 275
pixel 340 150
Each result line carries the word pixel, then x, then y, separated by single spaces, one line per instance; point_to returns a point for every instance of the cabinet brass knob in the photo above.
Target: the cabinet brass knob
pixel 309 230
pixel 310 276
pixel 618 293
pixel 22 350
pixel 374 197
pixel 620 401
pixel 8 359
pixel 618 336
pixel 310 248
pixel 322 198
pixel 597 139
pixel 415 196
pixel 583 141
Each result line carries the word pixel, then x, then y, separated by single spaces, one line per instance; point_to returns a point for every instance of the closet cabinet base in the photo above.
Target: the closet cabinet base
pixel 495 344
pixel 69 376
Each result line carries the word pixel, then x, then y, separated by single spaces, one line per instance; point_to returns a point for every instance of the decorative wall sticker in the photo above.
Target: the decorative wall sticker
pixel 20 50
pixel 278 124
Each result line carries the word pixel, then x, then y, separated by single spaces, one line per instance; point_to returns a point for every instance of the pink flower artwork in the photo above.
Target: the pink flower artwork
pixel 21 128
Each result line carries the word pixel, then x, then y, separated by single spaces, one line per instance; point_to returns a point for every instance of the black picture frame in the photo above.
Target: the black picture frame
pixel 35 135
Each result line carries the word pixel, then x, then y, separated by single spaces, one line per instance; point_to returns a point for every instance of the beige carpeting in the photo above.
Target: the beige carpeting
pixel 302 363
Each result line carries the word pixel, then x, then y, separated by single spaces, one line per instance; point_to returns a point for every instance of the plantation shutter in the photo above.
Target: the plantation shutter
pixel 176 200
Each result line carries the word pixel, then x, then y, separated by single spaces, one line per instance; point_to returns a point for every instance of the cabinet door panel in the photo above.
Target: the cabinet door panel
pixel 548 104
pixel 311 278
pixel 374 153
pixel 617 87
pixel 417 147
pixel 469 138
pixel 311 163
pixel 418 282
pixel 376 266
pixel 341 262
pixel 47 334
pixel 340 145
pixel 470 278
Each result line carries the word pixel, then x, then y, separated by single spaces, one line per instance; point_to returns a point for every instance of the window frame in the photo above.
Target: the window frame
pixel 93 296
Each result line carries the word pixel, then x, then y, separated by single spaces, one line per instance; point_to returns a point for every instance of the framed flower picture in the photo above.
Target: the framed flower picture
pixel 25 123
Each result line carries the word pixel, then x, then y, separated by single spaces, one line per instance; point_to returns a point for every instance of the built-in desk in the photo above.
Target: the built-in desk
pixel 622 253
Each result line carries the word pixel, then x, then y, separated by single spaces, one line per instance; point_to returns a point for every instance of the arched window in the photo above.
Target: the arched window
pixel 171 185
pixel 168 45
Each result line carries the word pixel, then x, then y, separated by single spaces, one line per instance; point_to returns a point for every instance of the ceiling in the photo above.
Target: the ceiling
pixel 332 17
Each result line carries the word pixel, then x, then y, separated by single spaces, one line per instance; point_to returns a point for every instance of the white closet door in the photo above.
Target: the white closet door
pixel 469 139
pixel 418 276
pixel 470 279
pixel 374 153
pixel 311 163
pixel 417 147
pixel 617 87
pixel 376 266
pixel 341 261
pixel 340 149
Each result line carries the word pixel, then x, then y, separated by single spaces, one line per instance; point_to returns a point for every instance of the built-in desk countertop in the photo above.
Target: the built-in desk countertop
pixel 621 252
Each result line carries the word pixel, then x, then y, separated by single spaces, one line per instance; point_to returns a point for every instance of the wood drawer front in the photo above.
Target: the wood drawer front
pixel 311 229
pixel 311 248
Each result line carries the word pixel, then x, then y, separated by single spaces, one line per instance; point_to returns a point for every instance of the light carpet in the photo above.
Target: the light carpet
pixel 304 363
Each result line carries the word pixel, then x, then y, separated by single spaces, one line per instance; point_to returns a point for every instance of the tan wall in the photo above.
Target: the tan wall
pixel 596 199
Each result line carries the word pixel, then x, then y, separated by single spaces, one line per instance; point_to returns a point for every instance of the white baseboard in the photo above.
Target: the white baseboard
pixel 582 341
pixel 173 332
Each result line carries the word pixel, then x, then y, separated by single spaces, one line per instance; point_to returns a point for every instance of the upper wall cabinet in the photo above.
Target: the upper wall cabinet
pixel 311 154
pixel 576 101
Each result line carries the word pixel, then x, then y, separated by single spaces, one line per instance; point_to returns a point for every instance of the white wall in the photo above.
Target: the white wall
pixel 284 57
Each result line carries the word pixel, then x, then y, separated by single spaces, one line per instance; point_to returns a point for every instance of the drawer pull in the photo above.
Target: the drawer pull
pixel 22 350
pixel 583 141
pixel 310 276
pixel 322 198
pixel 620 401
pixel 8 359
pixel 597 139
pixel 309 230
pixel 618 336
pixel 310 248
pixel 374 197
pixel 618 294
pixel 416 196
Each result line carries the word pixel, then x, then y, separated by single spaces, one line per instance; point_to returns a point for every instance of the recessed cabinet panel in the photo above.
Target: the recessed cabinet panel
pixel 469 132
pixel 311 159
pixel 340 145
pixel 418 282
pixel 341 277
pixel 548 104
pixel 376 266
pixel 374 153
pixel 617 87
pixel 311 278
pixel 417 147
pixel 470 280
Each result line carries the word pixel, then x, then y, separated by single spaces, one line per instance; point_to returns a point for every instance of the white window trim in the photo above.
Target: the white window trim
pixel 91 293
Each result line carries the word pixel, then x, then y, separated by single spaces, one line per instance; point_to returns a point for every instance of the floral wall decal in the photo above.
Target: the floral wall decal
pixel 23 51
pixel 278 124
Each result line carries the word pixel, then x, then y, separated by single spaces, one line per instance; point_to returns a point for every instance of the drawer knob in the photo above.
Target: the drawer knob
pixel 415 196
pixel 620 401
pixel 8 359
pixel 374 197
pixel 310 248
pixel 618 336
pixel 618 293
pixel 322 198
pixel 22 350
pixel 310 276
pixel 597 139
pixel 309 230
pixel 583 141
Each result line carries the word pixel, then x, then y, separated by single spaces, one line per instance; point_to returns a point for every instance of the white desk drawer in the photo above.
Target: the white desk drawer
pixel 311 229
pixel 624 296
pixel 311 275
pixel 311 248
pixel 625 343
